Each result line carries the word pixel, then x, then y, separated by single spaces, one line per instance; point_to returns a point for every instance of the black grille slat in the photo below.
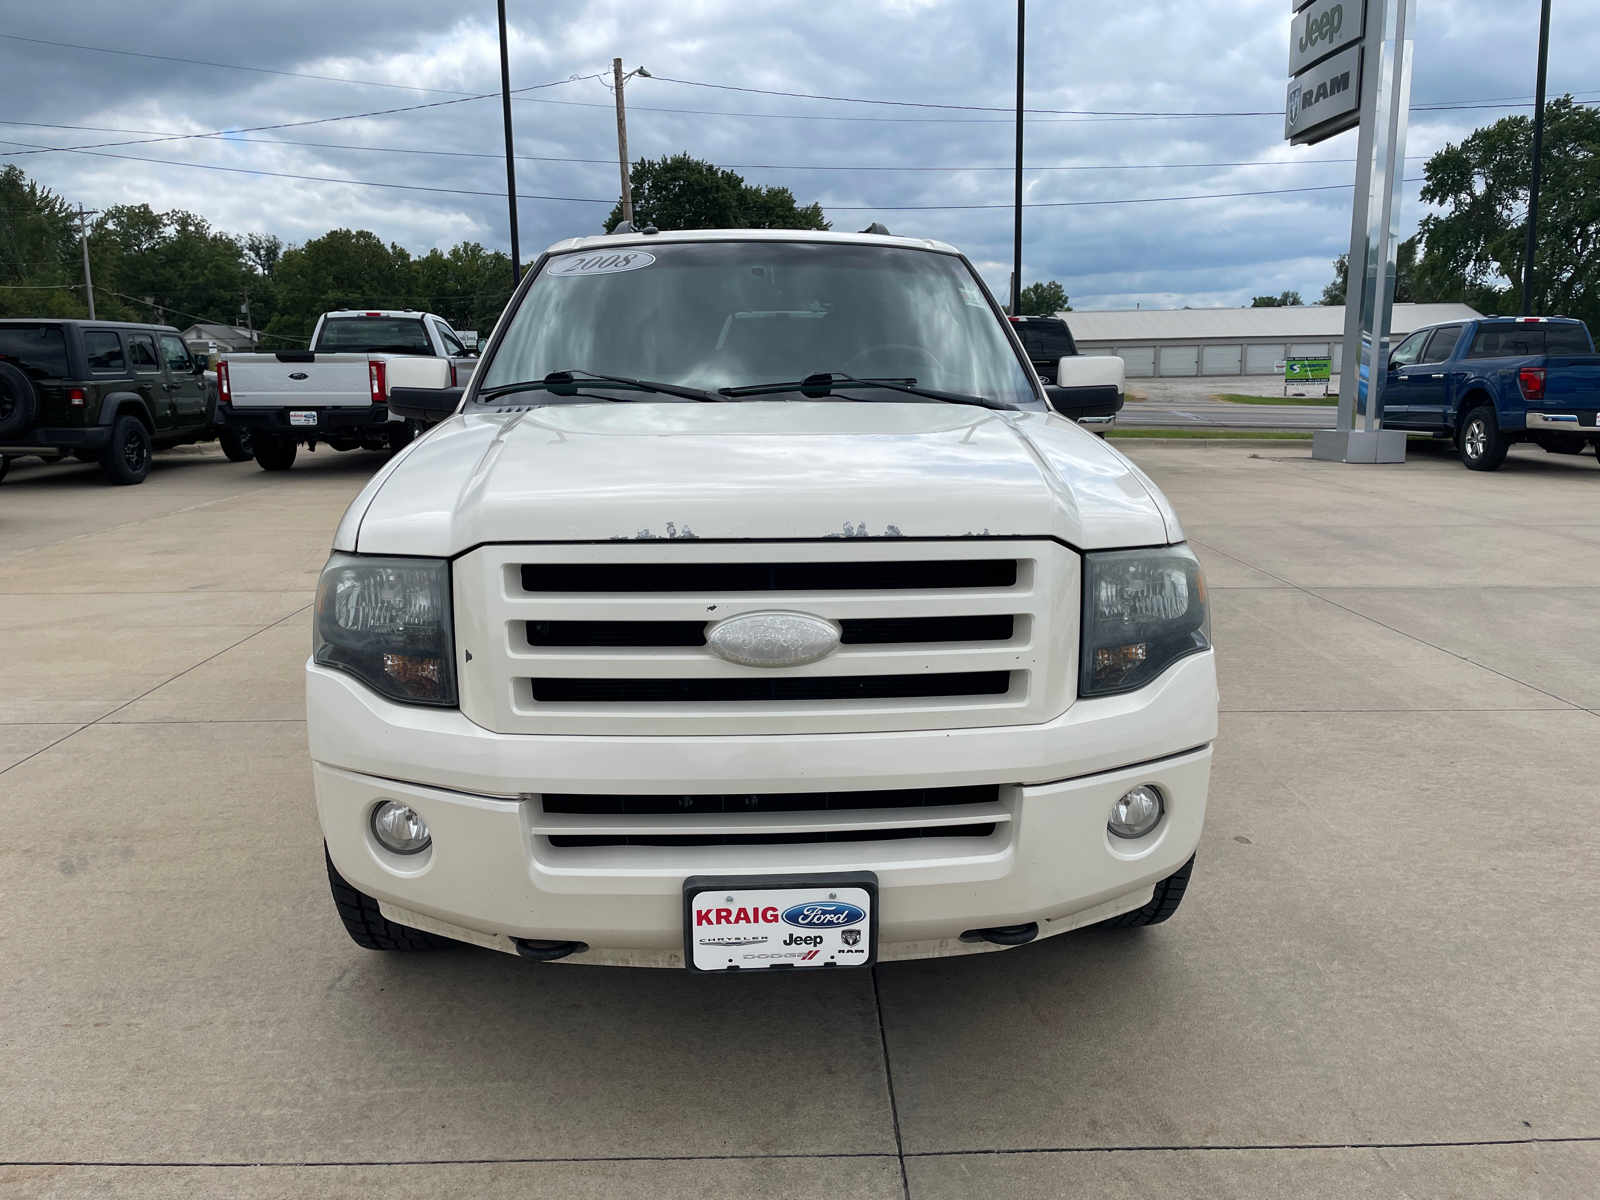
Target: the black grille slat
pixel 864 631
pixel 717 578
pixel 789 688
pixel 607 804
pixel 773 839
pixel 616 633
pixel 878 631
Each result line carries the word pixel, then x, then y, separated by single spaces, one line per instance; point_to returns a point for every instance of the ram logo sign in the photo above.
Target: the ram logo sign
pixel 1325 99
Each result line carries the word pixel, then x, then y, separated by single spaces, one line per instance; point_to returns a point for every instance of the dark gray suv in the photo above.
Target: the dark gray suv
pixel 103 391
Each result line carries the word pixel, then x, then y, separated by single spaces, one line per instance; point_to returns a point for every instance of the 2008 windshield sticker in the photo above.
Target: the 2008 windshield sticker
pixel 602 264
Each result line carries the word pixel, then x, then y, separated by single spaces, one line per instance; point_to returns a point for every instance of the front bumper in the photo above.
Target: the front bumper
pixel 491 875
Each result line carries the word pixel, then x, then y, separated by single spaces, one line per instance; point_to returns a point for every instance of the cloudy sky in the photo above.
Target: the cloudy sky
pixel 85 73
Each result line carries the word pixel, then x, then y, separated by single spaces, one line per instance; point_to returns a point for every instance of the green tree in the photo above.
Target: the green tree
pixel 41 272
pixel 170 267
pixel 1043 300
pixel 1405 277
pixel 1287 299
pixel 467 285
pixel 344 268
pixel 680 192
pixel 1475 246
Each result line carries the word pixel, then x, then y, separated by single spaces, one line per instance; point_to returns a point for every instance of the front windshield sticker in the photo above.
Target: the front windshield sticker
pixel 972 296
pixel 602 264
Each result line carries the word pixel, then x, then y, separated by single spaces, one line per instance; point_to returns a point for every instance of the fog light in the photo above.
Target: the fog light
pixel 1137 813
pixel 399 828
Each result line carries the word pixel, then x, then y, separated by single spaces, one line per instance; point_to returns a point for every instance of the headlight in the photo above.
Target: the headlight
pixel 1142 611
pixel 387 622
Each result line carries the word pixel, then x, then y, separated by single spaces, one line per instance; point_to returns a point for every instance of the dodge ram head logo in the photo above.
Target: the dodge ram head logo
pixel 1294 105
pixel 850 937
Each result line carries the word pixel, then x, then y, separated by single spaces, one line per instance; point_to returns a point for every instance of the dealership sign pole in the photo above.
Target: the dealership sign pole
pixel 1350 65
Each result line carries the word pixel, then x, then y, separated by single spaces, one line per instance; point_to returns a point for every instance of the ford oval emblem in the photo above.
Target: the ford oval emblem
pixel 297 375
pixel 773 639
pixel 823 914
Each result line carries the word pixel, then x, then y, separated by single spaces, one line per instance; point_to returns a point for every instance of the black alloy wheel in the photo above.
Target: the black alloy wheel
pixel 236 444
pixel 1482 446
pixel 126 458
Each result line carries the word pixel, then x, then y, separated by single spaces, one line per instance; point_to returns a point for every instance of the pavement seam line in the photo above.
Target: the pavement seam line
pixel 803 1156
pixel 156 688
pixel 1381 625
pixel 888 1079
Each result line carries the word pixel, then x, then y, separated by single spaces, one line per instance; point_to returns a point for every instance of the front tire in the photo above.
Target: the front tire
pixel 273 453
pixel 236 444
pixel 1168 895
pixel 126 458
pixel 366 924
pixel 1482 446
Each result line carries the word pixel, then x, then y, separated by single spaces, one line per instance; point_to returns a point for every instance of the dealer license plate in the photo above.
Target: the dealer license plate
pixel 739 923
pixel 302 418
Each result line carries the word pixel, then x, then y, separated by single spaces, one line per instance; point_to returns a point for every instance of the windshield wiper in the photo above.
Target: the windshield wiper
pixel 823 384
pixel 565 383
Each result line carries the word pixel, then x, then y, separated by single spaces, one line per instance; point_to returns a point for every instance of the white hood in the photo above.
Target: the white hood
pixel 754 470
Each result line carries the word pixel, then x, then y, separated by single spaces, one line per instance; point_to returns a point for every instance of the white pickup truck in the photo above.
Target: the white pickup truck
pixel 336 392
pixel 750 608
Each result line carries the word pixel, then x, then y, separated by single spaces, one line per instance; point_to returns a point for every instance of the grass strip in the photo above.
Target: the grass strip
pixel 1317 401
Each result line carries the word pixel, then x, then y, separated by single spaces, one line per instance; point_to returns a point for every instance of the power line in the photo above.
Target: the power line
pixel 197 62
pixel 224 133
pixel 229 139
pixel 1332 187
pixel 407 187
pixel 1080 112
pixel 592 200
pixel 1075 112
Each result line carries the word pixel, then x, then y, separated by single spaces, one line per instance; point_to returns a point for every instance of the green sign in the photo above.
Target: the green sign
pixel 1307 370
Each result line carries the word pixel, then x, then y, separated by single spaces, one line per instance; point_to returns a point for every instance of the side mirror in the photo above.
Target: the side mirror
pixel 1087 382
pixel 420 388
pixel 424 404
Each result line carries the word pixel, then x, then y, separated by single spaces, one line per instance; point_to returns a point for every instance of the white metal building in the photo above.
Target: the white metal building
pixel 1233 341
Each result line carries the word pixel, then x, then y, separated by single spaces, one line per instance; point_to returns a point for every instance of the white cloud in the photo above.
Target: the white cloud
pixel 1223 55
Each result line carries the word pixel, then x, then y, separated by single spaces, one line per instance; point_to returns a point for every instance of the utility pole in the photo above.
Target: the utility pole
pixel 244 311
pixel 622 136
pixel 1538 153
pixel 511 166
pixel 83 229
pixel 1016 228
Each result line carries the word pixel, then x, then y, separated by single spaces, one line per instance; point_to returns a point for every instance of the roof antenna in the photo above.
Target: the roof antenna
pixel 624 227
pixel 877 228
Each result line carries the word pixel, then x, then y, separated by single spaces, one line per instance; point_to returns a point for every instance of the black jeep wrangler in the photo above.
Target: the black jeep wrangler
pixel 103 391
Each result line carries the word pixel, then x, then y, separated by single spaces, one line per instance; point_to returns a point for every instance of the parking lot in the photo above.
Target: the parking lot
pixel 1383 981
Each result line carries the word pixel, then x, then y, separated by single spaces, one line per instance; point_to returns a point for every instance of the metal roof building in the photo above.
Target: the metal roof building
pixel 1233 341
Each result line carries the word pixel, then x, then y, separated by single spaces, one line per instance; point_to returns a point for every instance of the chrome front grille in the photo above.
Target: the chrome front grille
pixel 611 638
pixel 772 818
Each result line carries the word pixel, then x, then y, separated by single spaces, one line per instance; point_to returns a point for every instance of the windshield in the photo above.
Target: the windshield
pixel 710 315
pixel 373 335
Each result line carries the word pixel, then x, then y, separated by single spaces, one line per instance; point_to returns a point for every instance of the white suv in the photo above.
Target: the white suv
pixel 751 609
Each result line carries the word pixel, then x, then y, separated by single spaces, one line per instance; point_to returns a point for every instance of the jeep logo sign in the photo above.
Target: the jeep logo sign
pixel 1325 99
pixel 1324 27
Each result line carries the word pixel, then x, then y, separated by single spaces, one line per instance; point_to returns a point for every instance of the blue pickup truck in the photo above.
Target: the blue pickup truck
pixel 1495 381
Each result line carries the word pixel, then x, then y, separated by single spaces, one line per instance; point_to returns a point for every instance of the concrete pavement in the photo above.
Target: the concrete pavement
pixel 1383 981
